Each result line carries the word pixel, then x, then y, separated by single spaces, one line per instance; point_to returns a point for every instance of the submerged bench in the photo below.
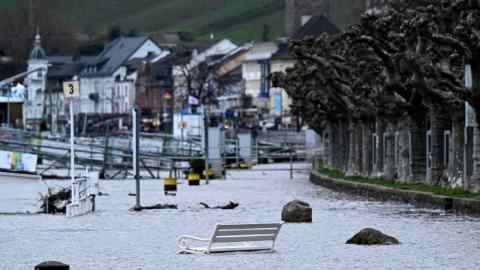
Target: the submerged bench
pixel 233 238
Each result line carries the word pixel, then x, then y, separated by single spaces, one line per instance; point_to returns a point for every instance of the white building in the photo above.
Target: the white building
pixel 256 73
pixel 106 84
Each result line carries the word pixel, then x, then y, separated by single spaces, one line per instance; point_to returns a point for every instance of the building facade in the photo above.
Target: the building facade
pixel 107 82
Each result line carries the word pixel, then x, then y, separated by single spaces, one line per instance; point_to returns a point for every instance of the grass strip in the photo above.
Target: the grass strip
pixel 450 192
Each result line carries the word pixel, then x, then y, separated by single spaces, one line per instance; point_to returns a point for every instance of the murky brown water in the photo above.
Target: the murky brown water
pixel 114 238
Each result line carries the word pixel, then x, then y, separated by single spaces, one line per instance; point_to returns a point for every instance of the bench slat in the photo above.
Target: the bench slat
pixel 238 249
pixel 246 232
pixel 249 226
pixel 223 239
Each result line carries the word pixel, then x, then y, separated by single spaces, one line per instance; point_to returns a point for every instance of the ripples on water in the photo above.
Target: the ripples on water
pixel 114 238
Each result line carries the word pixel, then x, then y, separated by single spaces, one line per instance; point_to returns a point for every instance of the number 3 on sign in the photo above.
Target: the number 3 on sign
pixel 71 89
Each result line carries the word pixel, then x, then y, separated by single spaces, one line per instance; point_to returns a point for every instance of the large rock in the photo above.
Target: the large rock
pixel 371 236
pixel 296 212
pixel 51 265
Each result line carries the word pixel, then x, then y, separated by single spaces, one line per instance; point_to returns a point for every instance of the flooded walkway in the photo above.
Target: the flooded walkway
pixel 114 238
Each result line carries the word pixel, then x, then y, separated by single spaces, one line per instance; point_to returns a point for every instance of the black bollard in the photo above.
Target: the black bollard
pixel 92 200
pixel 51 265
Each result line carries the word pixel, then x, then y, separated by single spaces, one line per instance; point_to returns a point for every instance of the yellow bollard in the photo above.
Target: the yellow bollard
pixel 193 179
pixel 245 166
pixel 170 185
pixel 210 173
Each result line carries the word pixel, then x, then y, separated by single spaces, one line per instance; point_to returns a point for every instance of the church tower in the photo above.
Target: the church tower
pixel 36 85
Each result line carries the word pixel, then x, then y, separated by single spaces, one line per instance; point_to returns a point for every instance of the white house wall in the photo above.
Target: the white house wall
pixel 36 85
pixel 251 74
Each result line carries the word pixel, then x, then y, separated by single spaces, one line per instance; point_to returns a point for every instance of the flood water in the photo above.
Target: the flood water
pixel 114 238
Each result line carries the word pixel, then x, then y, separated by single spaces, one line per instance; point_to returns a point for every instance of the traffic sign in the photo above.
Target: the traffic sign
pixel 71 89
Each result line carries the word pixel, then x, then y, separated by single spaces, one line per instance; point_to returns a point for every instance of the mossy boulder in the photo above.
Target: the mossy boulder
pixel 297 212
pixel 371 236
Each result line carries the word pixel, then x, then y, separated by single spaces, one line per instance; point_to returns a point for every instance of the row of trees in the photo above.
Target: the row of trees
pixel 375 91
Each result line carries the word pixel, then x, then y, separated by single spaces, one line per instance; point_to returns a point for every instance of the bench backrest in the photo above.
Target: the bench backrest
pixel 245 233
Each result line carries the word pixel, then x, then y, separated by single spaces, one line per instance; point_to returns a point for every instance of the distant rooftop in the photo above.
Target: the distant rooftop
pixel 118 51
pixel 261 51
pixel 316 26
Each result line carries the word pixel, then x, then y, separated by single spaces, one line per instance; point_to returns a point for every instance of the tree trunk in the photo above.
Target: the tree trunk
pixel 351 150
pixel 335 144
pixel 366 149
pixel 474 180
pixel 455 162
pixel 344 148
pixel 389 162
pixel 378 164
pixel 403 161
pixel 474 183
pixel 359 149
pixel 327 146
pixel 418 151
pixel 439 124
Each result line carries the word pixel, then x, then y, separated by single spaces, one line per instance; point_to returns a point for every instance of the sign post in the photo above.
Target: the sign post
pixel 136 155
pixel 71 91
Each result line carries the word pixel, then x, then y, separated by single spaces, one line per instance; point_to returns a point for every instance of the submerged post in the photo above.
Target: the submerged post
pixel 291 162
pixel 136 158
pixel 206 144
pixel 72 154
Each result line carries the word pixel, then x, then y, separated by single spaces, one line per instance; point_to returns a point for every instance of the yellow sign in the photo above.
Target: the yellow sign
pixel 71 89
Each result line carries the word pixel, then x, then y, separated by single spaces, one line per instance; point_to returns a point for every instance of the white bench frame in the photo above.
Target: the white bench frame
pixel 233 238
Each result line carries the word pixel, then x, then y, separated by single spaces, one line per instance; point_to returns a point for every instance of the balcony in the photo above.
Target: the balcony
pixel 12 97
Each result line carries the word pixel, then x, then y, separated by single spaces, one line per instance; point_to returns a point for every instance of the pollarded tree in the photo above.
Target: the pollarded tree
pixel 421 61
pixel 420 55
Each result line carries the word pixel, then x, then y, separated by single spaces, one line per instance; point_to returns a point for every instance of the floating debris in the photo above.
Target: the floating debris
pixel 154 207
pixel 229 206
pixel 55 202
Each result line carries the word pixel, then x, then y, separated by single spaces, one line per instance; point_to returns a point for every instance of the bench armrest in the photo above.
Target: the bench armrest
pixel 184 241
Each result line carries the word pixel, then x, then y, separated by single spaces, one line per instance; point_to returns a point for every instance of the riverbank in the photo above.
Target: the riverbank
pixel 422 196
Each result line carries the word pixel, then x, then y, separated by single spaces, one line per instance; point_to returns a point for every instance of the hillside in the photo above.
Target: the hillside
pixel 241 20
